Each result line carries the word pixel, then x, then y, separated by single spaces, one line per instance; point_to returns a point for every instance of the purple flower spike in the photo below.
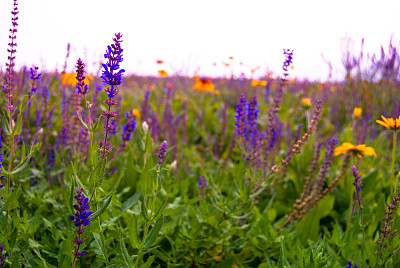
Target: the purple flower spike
pixel 3 257
pixel 81 218
pixel 81 88
pixel 162 152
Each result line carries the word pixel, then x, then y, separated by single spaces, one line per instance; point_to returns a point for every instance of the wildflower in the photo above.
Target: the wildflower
pixel 240 116
pixel 256 83
pixel 35 77
pixel 135 113
pixel 231 58
pixel 217 92
pixel 162 73
pixel 357 112
pixel 159 61
pixel 202 185
pixel 393 124
pixel 203 84
pixel 81 218
pixel 306 102
pixel 69 79
pixel 111 76
pixel 357 150
pixel 162 152
pixel 350 265
pixel 357 197
pixel 128 128
pixel 3 257
pixel 81 86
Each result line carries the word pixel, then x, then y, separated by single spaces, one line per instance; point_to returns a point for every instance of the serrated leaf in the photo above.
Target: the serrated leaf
pixel 124 253
pixel 101 209
pixel 152 236
pixel 148 263
pixel 40 257
pixel 130 202
pixel 97 239
pixel 96 174
pixel 133 232
pixel 160 210
pixel 144 212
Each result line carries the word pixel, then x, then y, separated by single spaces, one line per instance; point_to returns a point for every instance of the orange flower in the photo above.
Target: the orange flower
pixel 357 112
pixel 69 79
pixel 231 58
pixel 357 150
pixel 256 83
pixel 150 86
pixel 393 124
pixel 135 113
pixel 159 61
pixel 169 85
pixel 162 73
pixel 203 84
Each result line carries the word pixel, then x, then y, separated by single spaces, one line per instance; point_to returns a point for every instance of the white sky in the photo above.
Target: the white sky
pixel 187 34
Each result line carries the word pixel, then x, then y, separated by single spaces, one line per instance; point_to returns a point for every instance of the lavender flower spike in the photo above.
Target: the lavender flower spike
pixel 81 87
pixel 81 218
pixel 162 152
pixel 3 257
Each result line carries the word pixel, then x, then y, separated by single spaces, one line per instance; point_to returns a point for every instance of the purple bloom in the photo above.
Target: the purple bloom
pixel 241 116
pixel 202 186
pixel 35 77
pixel 128 128
pixel 350 265
pixel 81 87
pixel 81 218
pixel 162 152
pixel 3 257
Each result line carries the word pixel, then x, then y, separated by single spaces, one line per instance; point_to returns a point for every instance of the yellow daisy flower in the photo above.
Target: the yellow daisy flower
pixel 393 124
pixel 357 150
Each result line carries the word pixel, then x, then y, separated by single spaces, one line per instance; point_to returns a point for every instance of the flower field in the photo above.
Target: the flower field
pixel 117 170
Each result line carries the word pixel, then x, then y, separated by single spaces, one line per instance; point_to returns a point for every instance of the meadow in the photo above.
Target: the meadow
pixel 117 170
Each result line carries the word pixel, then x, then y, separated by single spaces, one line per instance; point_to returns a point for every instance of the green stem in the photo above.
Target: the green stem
pixel 393 159
pixel 138 259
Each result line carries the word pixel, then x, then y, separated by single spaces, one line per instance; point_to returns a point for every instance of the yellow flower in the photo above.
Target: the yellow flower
pixel 217 92
pixel 306 102
pixel 217 258
pixel 256 83
pixel 70 79
pixel 135 113
pixel 393 124
pixel 357 112
pixel 204 85
pixel 234 266
pixel 162 73
pixel 357 150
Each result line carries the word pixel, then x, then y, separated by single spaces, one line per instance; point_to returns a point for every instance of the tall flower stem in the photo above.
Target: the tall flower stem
pixel 146 230
pixel 393 159
pixel 90 124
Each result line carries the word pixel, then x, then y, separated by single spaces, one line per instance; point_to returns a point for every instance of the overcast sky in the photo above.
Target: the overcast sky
pixel 189 34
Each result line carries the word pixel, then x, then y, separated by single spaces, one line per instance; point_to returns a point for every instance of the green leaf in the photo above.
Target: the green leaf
pixel 101 209
pixel 18 126
pixel 160 210
pixel 144 212
pixel 83 123
pixel 133 232
pixel 130 202
pixel 148 263
pixel 40 257
pixel 15 262
pixel 71 194
pixel 96 174
pixel 6 124
pixel 152 236
pixel 97 240
pixel 3 208
pixel 96 124
pixel 124 253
